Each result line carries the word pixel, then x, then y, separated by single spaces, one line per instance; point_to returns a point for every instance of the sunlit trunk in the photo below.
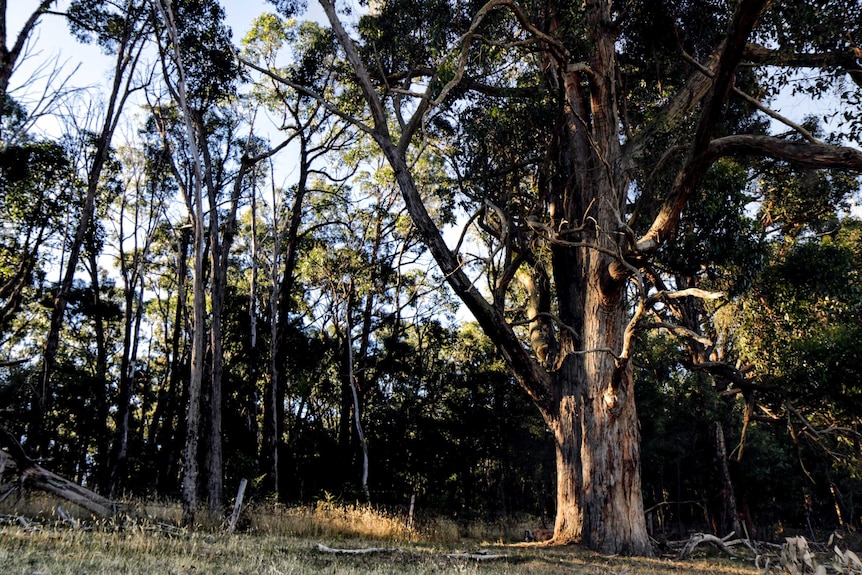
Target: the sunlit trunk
pixel 593 416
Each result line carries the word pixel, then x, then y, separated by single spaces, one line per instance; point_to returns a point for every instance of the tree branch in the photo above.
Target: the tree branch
pixel 307 92
pixel 534 379
pixel 848 60
pixel 695 89
pixel 24 34
pixel 681 331
pixel 756 103
pixel 696 165
pixel 809 155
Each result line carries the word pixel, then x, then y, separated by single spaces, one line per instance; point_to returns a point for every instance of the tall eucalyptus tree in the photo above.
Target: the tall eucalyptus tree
pixel 200 72
pixel 621 111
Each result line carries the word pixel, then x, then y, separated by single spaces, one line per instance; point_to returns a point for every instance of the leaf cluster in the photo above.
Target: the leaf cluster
pixel 205 43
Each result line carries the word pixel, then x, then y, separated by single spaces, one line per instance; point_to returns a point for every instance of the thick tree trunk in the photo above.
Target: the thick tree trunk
pixel 599 502
pixel 579 373
pixel 593 416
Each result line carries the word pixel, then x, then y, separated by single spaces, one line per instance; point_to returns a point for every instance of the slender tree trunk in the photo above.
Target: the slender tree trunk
pixel 354 394
pixel 274 394
pixel 101 395
pixel 269 449
pixel 218 285
pixel 219 262
pixel 729 509
pixel 252 288
pixel 193 415
pixel 215 474
pixel 170 402
pixel 124 398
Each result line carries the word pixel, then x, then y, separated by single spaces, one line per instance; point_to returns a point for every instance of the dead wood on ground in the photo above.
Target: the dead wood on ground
pixel 14 459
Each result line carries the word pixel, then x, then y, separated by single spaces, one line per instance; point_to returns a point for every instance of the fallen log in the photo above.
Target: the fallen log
pixel 33 475
pixel 479 556
pixel 364 551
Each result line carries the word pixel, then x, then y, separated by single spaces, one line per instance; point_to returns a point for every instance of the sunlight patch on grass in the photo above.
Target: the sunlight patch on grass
pixel 329 520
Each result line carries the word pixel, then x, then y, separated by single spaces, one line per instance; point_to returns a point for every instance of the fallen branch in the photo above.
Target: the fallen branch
pixel 324 549
pixel 11 519
pixel 32 474
pixel 64 515
pixel 238 505
pixel 698 538
pixel 479 556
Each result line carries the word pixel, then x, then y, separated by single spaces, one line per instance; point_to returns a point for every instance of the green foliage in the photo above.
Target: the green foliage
pixel 795 201
pixel 106 23
pixel 681 473
pixel 652 34
pixel 716 238
pixel 408 35
pixel 36 184
pixel 810 342
pixel 289 8
pixel 205 44
pixel 457 432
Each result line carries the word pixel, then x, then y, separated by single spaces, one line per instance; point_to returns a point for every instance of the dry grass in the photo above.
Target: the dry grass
pixel 328 521
pixel 283 541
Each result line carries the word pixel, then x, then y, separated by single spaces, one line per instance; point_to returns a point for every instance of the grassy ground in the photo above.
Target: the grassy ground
pixel 284 541
pixel 52 552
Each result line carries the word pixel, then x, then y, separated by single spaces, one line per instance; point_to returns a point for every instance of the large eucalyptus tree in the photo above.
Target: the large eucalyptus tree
pixel 617 112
